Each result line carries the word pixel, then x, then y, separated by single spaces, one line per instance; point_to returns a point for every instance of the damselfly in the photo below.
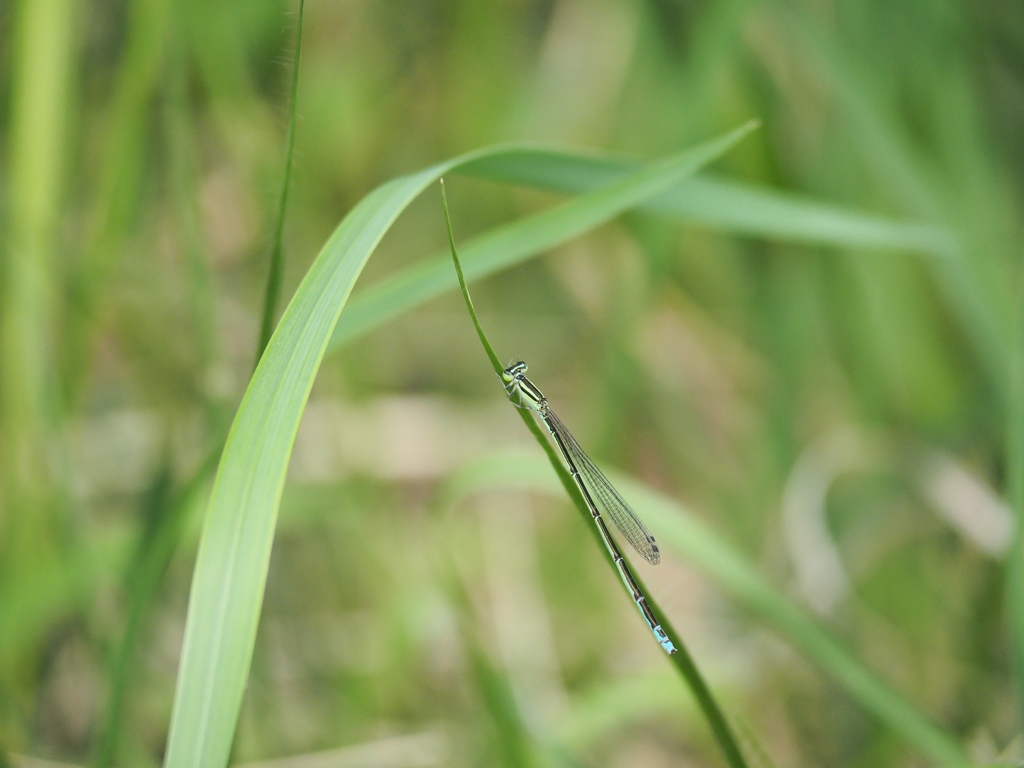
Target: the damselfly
pixel 597 491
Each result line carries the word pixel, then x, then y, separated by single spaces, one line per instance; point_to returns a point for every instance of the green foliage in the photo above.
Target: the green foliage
pixel 234 552
pixel 807 361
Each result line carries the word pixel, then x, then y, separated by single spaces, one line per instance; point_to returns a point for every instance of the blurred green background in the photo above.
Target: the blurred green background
pixel 839 408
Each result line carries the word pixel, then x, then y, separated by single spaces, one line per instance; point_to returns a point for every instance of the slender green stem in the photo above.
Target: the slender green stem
pixel 495 362
pixel 1015 488
pixel 682 660
pixel 275 275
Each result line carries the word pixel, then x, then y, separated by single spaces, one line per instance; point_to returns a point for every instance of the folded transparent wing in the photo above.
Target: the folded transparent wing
pixel 609 503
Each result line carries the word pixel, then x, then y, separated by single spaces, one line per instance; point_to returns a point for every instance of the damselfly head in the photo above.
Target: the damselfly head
pixel 514 370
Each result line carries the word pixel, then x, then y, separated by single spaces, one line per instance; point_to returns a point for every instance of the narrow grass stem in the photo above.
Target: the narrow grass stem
pixel 275 275
pixel 1015 488
pixel 682 660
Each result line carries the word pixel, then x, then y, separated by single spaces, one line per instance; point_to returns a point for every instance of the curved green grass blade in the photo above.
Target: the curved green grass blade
pixel 681 532
pixel 510 244
pixel 731 206
pixel 726 205
pixel 234 551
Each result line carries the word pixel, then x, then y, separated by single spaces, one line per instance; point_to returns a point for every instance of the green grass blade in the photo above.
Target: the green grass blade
pixel 731 206
pixel 491 355
pixel 681 532
pixel 234 551
pixel 33 491
pixel 507 245
pixel 682 660
pixel 1015 489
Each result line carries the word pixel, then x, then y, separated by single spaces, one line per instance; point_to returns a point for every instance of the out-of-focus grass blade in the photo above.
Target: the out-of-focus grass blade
pixel 973 281
pixel 57 587
pixel 1015 489
pixel 679 531
pixel 894 155
pixel 234 551
pixel 725 205
pixel 275 274
pixel 728 205
pixel 32 490
pixel 684 534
